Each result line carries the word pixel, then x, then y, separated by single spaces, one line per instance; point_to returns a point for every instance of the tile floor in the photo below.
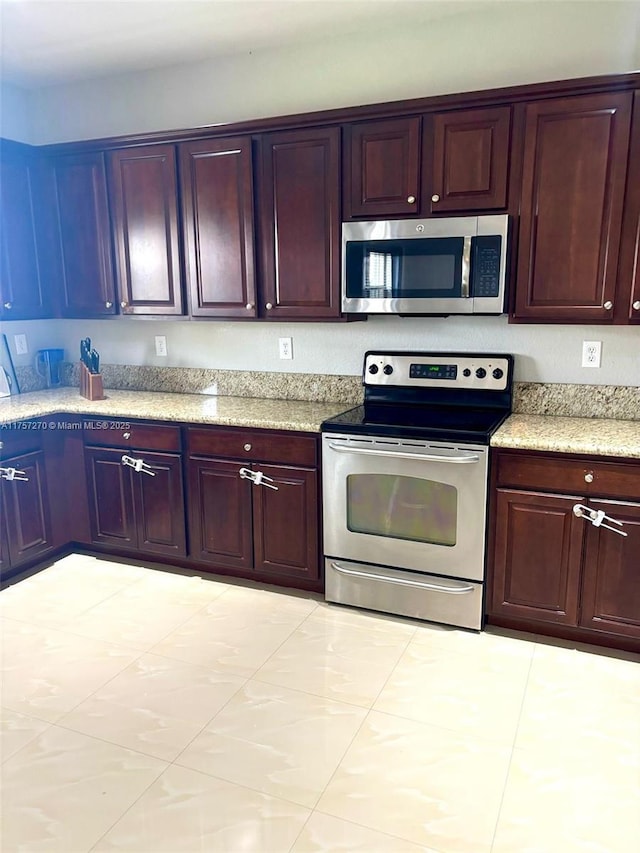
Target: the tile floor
pixel 149 711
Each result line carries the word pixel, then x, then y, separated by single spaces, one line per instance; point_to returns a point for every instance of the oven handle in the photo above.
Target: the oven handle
pixel 450 590
pixel 343 448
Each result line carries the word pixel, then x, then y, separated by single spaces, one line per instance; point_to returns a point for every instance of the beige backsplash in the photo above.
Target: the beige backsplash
pixel 533 398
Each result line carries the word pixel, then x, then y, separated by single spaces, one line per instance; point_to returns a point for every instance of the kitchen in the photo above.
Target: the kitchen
pixel 544 353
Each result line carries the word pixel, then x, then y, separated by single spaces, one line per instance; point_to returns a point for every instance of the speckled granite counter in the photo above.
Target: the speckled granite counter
pixel 594 436
pixel 296 415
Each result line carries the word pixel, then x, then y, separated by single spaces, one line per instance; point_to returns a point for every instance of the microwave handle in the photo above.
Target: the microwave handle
pixel 466 268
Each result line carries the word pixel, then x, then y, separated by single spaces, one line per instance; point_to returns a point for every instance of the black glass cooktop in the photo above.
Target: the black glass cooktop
pixel 438 423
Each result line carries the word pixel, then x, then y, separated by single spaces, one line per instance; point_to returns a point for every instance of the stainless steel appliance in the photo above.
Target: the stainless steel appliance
pixel 405 484
pixel 425 266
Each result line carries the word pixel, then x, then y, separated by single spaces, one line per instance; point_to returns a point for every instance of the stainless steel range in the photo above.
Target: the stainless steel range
pixel 405 484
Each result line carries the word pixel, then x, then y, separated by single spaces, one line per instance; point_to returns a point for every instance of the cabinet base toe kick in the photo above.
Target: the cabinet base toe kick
pixel 404 593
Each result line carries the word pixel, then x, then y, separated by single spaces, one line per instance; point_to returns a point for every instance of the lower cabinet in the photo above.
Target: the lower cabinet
pixel 250 516
pixel 549 565
pixel 140 510
pixel 25 525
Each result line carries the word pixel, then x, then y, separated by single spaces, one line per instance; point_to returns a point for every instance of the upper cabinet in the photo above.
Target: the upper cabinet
pixel 24 290
pixel 144 217
pixel 445 162
pixel 573 187
pixel 81 256
pixel 299 226
pixel 217 214
pixel 628 303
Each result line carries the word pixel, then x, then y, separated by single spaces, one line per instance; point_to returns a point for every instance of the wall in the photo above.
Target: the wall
pixel 14 113
pixel 508 43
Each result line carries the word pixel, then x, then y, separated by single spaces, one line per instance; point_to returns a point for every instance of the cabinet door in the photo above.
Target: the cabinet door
pixel 611 583
pixel 575 162
pixel 628 300
pixel 383 163
pixel 27 509
pixel 23 293
pixel 470 160
pixel 159 504
pixel 300 224
pixel 220 517
pixel 217 211
pixel 286 522
pixel 144 198
pixel 110 494
pixel 4 551
pixel 537 557
pixel 83 235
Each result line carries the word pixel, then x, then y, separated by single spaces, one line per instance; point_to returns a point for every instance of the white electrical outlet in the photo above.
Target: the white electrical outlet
pixel 591 352
pixel 161 345
pixel 21 344
pixel 285 347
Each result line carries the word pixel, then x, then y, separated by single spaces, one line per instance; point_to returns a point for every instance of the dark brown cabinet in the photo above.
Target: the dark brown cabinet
pixel 24 289
pixel 299 224
pixel 444 162
pixel 144 216
pixel 130 508
pixel 628 302
pixel 81 254
pixel 573 185
pixel 548 565
pixel 25 508
pixel 267 529
pixel 217 211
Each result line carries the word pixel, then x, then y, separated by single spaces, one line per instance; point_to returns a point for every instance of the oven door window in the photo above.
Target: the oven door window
pixel 420 268
pixel 400 507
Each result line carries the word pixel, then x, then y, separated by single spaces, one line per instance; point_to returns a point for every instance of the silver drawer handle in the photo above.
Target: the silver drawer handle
pixel 138 465
pixel 449 590
pixel 597 518
pixel 342 448
pixel 12 474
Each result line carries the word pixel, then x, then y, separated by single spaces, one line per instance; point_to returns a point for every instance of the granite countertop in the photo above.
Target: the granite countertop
pixel 298 415
pixel 594 436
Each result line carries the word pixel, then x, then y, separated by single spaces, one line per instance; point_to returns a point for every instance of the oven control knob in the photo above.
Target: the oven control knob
pixel 387 369
pixel 466 372
pixel 373 368
pixel 498 373
pixel 481 373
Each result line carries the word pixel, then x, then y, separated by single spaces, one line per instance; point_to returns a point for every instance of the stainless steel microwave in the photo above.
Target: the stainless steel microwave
pixel 455 265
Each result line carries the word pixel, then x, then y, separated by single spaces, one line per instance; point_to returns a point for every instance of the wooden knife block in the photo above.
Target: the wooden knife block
pixel 91 385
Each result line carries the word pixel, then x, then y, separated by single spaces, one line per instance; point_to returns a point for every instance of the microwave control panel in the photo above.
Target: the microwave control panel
pixel 485 270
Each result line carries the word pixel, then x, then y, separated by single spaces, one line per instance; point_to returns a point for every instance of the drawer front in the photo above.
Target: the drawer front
pixel 249 444
pixel 122 433
pixel 578 476
pixel 22 437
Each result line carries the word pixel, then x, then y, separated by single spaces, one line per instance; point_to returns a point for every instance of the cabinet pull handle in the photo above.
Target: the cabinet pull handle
pixel 12 474
pixel 247 447
pixel 435 198
pixel 636 305
pixel 8 306
pixel 249 306
pixel 597 517
pixel 411 199
pixel 257 478
pixel 608 305
pixel 123 304
pixel 588 477
pixel 138 465
pixel 108 304
pixel 268 306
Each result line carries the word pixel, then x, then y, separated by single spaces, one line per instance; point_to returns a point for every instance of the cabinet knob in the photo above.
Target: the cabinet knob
pixel 108 304
pixel 247 447
pixel 268 306
pixel 435 197
pixel 249 306
pixel 588 477
pixel 411 199
pixel 126 435
pixel 8 306
pixel 608 305
pixel 636 305
pixel 123 304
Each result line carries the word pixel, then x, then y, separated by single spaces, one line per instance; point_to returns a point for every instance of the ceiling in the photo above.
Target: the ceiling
pixel 46 42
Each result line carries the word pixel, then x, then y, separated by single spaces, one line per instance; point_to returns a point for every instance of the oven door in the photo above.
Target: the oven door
pixel 406 504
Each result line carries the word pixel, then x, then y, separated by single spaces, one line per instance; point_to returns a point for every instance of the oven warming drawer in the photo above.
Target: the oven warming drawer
pixel 420 596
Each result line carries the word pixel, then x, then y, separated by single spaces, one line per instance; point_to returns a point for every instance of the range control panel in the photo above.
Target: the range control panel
pixel 431 370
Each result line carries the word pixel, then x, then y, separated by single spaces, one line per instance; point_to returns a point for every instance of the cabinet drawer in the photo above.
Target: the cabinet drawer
pixel 122 433
pixel 20 438
pixel 579 476
pixel 261 445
